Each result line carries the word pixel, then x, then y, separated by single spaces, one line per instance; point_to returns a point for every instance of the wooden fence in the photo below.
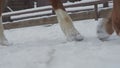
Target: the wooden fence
pixel 7 16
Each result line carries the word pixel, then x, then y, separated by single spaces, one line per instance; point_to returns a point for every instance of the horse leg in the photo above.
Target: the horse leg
pixel 65 21
pixel 116 23
pixel 3 40
pixel 116 16
pixel 105 28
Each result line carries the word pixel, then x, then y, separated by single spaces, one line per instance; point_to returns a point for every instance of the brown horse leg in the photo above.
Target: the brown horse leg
pixel 3 40
pixel 116 16
pixel 65 21
pixel 116 22
pixel 109 25
pixel 105 29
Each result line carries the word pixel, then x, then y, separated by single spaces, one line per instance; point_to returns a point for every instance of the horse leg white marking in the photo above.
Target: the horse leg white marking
pixel 3 40
pixel 67 26
pixel 101 31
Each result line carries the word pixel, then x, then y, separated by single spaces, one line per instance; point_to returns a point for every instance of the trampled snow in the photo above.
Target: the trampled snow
pixel 45 46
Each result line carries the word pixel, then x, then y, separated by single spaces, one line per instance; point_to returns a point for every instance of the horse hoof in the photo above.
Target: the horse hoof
pixel 78 38
pixel 104 38
pixel 75 38
pixel 5 43
pixel 102 35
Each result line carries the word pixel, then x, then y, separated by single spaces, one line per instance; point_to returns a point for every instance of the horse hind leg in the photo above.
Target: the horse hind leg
pixel 116 26
pixel 105 29
pixel 3 40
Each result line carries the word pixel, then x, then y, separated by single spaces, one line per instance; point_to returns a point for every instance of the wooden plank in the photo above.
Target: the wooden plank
pixel 53 20
pixel 49 8
pixel 6 16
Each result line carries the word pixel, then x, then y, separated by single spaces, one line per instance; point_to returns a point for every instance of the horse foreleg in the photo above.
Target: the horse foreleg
pixel 105 28
pixel 67 26
pixel 65 21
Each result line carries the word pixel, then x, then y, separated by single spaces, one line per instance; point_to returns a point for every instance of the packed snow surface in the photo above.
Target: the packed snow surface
pixel 45 46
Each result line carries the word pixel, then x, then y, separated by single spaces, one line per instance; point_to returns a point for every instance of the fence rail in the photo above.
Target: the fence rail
pixel 7 16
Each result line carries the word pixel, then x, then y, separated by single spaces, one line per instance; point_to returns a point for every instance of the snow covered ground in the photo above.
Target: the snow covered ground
pixel 46 47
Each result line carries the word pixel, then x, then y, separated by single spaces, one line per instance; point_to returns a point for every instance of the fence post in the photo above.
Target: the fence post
pixel 106 4
pixel 96 11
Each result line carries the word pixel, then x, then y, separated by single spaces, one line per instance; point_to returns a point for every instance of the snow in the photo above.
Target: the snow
pixel 45 46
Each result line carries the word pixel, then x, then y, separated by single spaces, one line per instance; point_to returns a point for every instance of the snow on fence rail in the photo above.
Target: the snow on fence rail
pixel 47 10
